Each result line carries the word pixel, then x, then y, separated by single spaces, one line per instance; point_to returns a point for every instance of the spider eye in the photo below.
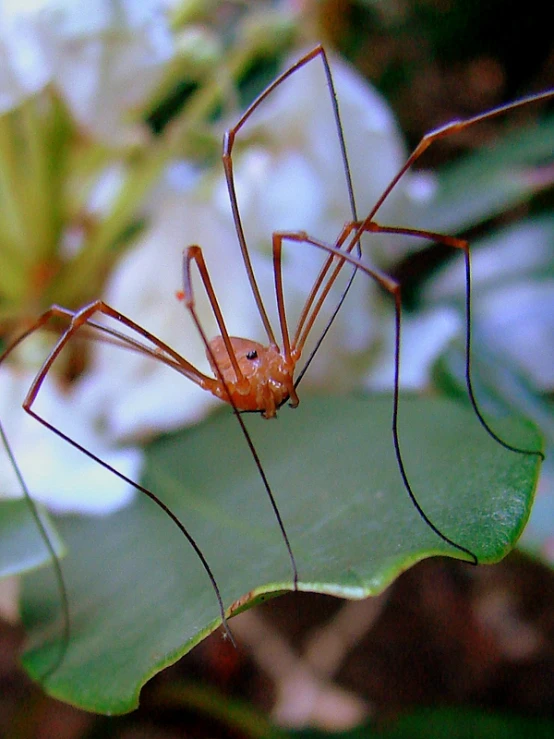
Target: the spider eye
pixel 253 354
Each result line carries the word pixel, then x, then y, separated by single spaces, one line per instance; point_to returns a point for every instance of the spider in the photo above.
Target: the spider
pixel 248 375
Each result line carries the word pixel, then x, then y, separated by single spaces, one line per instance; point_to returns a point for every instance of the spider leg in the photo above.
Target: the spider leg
pixel 228 143
pixel 77 321
pixel 360 227
pixel 393 287
pixel 54 311
pixel 462 244
pixel 277 246
pixel 444 131
pixel 301 333
pixel 194 253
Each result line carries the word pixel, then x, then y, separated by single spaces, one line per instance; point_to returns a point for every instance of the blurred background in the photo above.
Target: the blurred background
pixel 447 649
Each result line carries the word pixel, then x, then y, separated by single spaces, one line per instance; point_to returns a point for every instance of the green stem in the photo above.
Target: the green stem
pixel 232 713
pixel 12 192
pixel 15 258
pixel 36 203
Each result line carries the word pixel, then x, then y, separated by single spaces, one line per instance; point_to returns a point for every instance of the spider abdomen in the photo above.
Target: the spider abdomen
pixel 267 377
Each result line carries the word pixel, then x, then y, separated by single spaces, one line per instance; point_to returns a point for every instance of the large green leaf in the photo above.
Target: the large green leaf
pixel 139 596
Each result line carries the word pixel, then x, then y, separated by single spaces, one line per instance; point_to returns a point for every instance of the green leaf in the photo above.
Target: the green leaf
pixel 22 548
pixel 236 716
pixel 502 387
pixel 139 596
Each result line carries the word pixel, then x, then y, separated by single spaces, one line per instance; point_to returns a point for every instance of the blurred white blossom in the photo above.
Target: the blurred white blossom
pixel 56 474
pixel 519 320
pixel 424 338
pixel 512 296
pixel 24 65
pixel 105 57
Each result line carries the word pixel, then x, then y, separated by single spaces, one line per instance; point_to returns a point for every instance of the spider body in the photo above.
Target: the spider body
pixel 267 375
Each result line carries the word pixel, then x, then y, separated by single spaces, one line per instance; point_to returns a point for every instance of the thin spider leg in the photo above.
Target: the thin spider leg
pixel 228 143
pixel 323 297
pixel 55 311
pixel 300 341
pixel 99 306
pixel 419 233
pixel 112 337
pixel 452 241
pixel 443 132
pixel 346 231
pixel 66 633
pixel 291 356
pixel 462 244
pixel 469 382
pixel 336 254
pixel 175 361
pixel 305 325
pixel 93 331
pixel 294 350
pixel 306 320
pixel 394 288
pixel 190 304
pixel 427 140
pixel 78 320
pixel 194 253
pixel 396 436
pixel 277 245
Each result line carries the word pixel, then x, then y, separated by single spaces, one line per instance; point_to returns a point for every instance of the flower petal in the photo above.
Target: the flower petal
pixel 25 67
pixel 57 474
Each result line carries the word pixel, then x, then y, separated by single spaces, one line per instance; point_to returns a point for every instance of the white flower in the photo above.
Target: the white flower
pixel 290 178
pixel 57 474
pixel 423 338
pixel 512 296
pixel 519 320
pixel 24 64
pixel 105 56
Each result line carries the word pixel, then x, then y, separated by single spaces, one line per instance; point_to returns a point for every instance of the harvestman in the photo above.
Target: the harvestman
pixel 248 375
